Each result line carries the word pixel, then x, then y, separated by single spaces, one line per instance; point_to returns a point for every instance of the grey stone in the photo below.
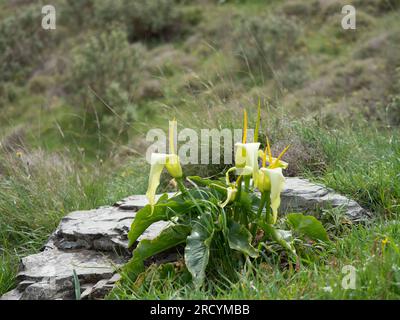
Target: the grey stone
pixel 87 264
pixel 49 274
pixel 103 229
pixel 301 195
pixel 100 289
pixel 12 295
pixel 137 202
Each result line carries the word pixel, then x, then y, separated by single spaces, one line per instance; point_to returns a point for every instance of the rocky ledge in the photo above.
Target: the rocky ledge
pixel 89 246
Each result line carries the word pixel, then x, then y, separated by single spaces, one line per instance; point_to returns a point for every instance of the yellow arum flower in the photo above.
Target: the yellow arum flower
pixel 173 166
pixel 231 195
pixel 273 162
pixel 246 157
pixel 263 182
pixel 160 160
pixel 277 181
pixel 279 164
pixel 270 179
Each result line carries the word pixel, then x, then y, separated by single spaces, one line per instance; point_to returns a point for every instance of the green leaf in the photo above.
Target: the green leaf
pixel 283 237
pixel 143 219
pixel 219 186
pixel 163 210
pixel 168 238
pixel 239 239
pixel 197 251
pixel 308 226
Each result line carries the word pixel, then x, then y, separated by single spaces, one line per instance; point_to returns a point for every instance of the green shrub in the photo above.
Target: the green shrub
pixel 143 19
pixel 265 42
pixel 149 19
pixel 105 58
pixel 77 13
pixel 103 76
pixel 23 43
pixel 387 5
pixel 301 8
pixel 295 73
pixel 158 19
pixel 393 110
pixel 8 93
pixel 40 83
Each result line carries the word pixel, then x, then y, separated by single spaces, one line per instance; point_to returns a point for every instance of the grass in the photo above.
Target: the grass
pixel 40 190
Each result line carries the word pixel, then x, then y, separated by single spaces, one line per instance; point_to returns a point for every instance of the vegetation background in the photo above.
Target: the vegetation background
pixel 76 103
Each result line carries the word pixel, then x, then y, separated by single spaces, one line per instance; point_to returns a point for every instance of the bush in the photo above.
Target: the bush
pixel 77 12
pixel 393 110
pixel 301 9
pixel 22 43
pixel 143 19
pixel 152 19
pixel 8 93
pixel 295 73
pixel 108 67
pixel 265 42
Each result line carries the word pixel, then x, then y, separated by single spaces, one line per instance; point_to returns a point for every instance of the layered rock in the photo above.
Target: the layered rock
pixel 301 195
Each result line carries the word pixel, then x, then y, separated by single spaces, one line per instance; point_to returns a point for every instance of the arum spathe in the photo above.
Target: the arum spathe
pixel 160 160
pixel 271 180
pixel 246 157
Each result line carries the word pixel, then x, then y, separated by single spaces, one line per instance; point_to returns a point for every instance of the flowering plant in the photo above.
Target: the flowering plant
pixel 222 223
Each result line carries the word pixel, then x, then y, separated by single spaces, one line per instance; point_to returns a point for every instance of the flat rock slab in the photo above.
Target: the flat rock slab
pixel 136 202
pixel 301 195
pixel 103 229
pixel 95 242
pixel 50 274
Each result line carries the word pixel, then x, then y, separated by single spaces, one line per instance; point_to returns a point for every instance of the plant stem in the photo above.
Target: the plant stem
pixel 268 216
pixel 263 200
pixel 236 216
pixel 246 183
pixel 181 186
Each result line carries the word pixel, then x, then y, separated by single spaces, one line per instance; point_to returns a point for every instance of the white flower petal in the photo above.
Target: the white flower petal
pixel 251 157
pixel 277 184
pixel 231 194
pixel 157 162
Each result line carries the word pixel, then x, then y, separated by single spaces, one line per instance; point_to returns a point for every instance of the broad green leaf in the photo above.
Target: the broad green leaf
pixel 239 239
pixel 143 219
pixel 168 238
pixel 308 226
pixel 197 251
pixel 283 237
pixel 163 210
